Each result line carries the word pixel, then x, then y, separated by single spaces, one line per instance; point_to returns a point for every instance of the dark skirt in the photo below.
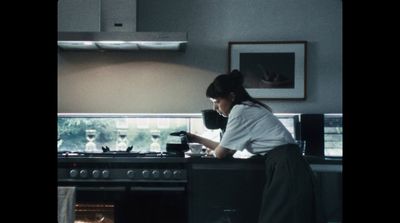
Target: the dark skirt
pixel 291 194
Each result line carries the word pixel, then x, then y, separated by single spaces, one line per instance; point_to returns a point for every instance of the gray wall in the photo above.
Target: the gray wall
pixel 166 82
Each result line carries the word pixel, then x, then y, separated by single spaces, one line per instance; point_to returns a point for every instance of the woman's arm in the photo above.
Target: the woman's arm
pixel 220 152
pixel 206 142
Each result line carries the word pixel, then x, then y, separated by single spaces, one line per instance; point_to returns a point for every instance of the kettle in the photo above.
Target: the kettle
pixel 177 143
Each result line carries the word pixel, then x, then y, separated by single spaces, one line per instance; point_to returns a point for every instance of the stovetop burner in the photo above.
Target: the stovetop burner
pixel 107 149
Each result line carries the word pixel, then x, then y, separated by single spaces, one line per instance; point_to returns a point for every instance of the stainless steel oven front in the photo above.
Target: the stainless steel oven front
pixel 122 190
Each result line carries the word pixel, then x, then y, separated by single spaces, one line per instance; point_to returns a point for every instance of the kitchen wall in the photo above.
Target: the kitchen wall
pixel 167 82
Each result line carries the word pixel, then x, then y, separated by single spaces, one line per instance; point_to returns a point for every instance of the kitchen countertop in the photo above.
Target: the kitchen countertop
pixel 310 159
pixel 187 159
pixel 318 164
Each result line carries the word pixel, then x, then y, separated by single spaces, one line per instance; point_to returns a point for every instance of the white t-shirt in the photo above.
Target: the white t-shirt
pixel 251 126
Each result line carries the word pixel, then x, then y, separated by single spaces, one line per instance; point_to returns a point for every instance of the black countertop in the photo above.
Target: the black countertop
pixel 319 164
pixel 310 159
pixel 187 159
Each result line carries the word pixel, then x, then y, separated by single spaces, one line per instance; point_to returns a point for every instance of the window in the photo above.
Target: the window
pixel 72 129
pixel 291 122
pixel 333 134
pixel 138 127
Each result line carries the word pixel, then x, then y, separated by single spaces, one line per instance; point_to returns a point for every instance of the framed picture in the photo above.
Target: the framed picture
pixel 272 70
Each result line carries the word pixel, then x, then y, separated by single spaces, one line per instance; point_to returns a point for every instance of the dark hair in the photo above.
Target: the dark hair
pixel 224 84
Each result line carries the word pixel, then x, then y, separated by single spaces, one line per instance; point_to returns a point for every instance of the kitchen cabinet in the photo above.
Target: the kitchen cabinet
pixel 231 190
pixel 330 183
pixel 225 192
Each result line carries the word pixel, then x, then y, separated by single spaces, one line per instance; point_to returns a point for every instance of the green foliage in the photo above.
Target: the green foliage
pixel 72 131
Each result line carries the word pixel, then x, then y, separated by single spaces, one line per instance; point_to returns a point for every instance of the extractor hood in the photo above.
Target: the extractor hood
pixel 109 25
pixel 122 40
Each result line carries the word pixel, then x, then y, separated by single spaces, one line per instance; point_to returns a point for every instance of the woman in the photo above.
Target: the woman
pixel 289 193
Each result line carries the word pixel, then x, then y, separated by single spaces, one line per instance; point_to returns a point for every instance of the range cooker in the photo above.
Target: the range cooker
pixel 126 187
pixel 115 167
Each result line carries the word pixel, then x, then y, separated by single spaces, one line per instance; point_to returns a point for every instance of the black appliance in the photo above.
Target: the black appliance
pixel 124 187
pixel 178 148
pixel 312 131
pixel 213 120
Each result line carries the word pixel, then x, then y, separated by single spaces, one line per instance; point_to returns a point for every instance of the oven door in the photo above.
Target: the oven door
pixel 139 203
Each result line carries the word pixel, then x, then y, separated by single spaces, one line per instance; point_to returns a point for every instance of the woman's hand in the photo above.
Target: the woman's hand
pixel 191 137
pixel 204 141
pixel 209 152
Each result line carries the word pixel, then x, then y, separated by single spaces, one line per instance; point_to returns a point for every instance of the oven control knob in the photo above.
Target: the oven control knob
pixel 83 173
pixel 130 173
pixel 105 174
pixel 155 174
pixel 146 173
pixel 177 174
pixel 167 173
pixel 73 173
pixel 96 173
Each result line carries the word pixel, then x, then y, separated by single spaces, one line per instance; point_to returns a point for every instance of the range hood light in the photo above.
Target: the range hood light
pixel 112 42
pixel 152 45
pixel 117 45
pixel 122 41
pixel 84 45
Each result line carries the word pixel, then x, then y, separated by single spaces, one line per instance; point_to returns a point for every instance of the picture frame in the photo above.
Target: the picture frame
pixel 271 69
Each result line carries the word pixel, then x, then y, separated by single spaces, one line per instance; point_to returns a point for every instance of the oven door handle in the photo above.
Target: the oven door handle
pixel 101 188
pixel 138 188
